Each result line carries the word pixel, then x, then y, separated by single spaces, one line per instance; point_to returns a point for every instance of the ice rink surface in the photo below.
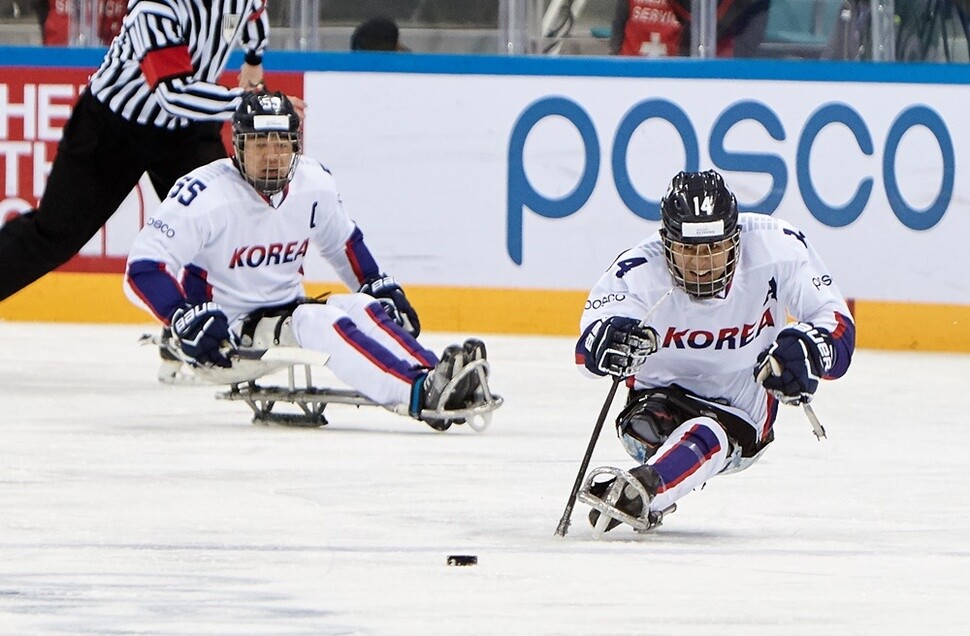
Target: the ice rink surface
pixel 129 507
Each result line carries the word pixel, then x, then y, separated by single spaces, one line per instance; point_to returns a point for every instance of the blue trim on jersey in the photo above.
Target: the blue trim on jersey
pixel 156 287
pixel 298 61
pixel 843 341
pixel 361 260
pixel 195 282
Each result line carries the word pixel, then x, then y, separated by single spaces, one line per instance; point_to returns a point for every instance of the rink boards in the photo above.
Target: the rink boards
pixel 498 188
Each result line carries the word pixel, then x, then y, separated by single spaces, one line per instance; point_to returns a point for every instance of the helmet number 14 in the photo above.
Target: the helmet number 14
pixel 703 204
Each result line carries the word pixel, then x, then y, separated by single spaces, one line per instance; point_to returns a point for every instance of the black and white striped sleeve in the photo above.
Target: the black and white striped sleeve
pixel 199 101
pixel 174 72
pixel 255 35
pixel 164 67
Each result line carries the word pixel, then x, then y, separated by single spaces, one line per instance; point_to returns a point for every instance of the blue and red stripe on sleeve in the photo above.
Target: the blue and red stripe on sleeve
pixel 195 283
pixel 361 260
pixel 843 344
pixel 156 287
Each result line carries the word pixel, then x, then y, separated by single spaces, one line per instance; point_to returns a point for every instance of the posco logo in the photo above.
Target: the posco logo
pixel 522 195
pixel 161 226
pixel 596 303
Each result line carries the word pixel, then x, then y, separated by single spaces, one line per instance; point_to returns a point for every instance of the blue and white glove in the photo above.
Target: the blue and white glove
pixel 202 333
pixel 792 366
pixel 390 295
pixel 617 346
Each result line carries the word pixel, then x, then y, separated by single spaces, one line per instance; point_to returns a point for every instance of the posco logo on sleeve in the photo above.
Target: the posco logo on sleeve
pixel 521 195
pixel 596 303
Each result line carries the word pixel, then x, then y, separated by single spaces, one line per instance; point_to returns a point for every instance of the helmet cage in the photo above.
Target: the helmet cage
pixel 703 270
pixel 275 172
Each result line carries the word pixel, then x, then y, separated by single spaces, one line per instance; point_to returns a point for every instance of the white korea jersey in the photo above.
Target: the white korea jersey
pixel 217 238
pixel 710 346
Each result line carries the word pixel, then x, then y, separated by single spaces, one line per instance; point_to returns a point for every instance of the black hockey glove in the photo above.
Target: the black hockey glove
pixel 617 346
pixel 202 332
pixel 792 366
pixel 386 291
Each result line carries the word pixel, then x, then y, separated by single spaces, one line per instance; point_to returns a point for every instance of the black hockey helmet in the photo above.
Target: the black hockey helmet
pixel 700 232
pixel 272 118
pixel 698 208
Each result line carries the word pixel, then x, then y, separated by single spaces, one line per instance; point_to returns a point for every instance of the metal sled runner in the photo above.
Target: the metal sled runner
pixel 310 401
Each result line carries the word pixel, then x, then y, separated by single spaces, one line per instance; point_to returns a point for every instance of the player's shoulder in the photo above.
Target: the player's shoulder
pixel 309 164
pixel 217 170
pixel 650 247
pixel 314 174
pixel 754 222
pixel 215 178
pixel 644 261
pixel 645 256
pixel 764 227
pixel 771 236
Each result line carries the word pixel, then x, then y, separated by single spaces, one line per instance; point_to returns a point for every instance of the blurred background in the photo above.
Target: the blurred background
pixel 877 30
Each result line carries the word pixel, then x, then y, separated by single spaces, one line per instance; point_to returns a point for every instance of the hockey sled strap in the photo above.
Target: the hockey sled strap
pixel 280 312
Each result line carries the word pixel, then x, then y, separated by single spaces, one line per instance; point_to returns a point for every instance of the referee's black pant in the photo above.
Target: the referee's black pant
pixel 99 161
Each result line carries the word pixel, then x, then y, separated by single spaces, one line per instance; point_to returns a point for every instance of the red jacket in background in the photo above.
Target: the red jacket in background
pixel 661 28
pixel 56 24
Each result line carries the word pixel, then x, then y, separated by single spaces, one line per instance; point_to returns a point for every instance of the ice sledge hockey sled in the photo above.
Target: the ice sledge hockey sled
pixel 252 365
pixel 606 505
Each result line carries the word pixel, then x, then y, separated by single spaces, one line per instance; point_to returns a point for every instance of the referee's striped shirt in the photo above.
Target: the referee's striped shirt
pixel 163 67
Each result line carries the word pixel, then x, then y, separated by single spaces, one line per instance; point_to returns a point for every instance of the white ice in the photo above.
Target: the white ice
pixel 129 507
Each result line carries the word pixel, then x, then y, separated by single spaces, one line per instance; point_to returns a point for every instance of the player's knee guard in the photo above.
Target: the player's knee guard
pixel 645 423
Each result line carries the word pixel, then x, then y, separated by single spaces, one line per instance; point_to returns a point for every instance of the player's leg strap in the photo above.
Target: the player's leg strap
pixel 280 313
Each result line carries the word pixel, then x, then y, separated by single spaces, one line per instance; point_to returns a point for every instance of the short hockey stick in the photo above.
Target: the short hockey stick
pixel 563 526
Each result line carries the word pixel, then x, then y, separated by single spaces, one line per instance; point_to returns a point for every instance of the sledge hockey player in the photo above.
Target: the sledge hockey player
pixel 221 262
pixel 715 357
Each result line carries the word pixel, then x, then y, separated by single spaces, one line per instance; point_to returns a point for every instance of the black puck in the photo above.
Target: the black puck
pixel 462 559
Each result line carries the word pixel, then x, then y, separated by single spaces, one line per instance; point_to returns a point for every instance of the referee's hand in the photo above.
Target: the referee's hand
pixel 251 78
pixel 298 105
